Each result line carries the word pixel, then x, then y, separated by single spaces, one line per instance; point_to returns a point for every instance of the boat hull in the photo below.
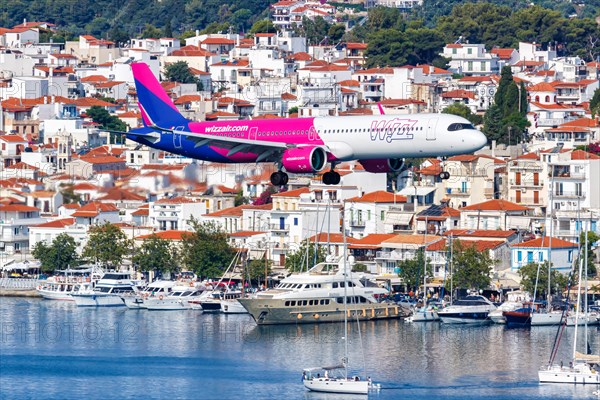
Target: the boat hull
pixel 98 300
pixel 465 318
pixel 232 307
pixel 580 374
pixel 517 318
pixel 546 319
pixel 211 306
pixel 274 312
pixel 53 295
pixel 346 386
pixel 424 316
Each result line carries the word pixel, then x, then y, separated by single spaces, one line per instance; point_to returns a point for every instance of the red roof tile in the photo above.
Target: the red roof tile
pixel 546 242
pixel 495 205
pixel 379 196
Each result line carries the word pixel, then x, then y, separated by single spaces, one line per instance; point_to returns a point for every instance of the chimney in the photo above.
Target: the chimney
pixel 197 32
pixel 24 21
pixel 493 148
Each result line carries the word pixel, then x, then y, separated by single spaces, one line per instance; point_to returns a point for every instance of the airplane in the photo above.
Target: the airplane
pixel 300 145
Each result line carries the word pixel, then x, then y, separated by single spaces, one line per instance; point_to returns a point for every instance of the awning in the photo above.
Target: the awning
pixel 421 190
pixel 396 218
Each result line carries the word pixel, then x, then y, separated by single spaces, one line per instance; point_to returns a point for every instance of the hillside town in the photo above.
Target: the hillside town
pixel 62 173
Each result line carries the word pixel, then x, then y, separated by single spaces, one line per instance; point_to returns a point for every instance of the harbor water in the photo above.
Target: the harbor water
pixel 54 350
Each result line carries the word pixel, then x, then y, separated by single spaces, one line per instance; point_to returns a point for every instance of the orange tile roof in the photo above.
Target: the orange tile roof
pixel 118 194
pixel 175 200
pixel 412 239
pixel 102 159
pixel 480 233
pixel 546 242
pixel 86 186
pixel 583 155
pixel 541 87
pixel 217 40
pixel 93 209
pixel 292 193
pixel 324 237
pixel 13 139
pixel 495 205
pixel 238 211
pixel 57 223
pixel 481 245
pixel 166 235
pixel 17 208
pixel 458 94
pixel 379 196
pixel 372 241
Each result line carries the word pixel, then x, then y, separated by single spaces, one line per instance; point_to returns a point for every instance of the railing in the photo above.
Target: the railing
pixel 279 227
pixel 550 121
pixel 357 224
pixel 458 191
pixel 19 283
pixel 567 175
pixel 571 195
pixel 526 184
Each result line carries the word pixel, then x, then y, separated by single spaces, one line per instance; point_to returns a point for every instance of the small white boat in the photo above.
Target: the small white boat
pixel 514 301
pixel 332 380
pixel 472 309
pixel 66 282
pixel 107 291
pixel 232 306
pixel 427 313
pixel 213 303
pixel 178 299
pixel 589 318
pixel 137 300
pixel 547 318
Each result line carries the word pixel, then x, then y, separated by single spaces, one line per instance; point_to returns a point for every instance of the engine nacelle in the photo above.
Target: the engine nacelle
pixel 307 159
pixel 383 165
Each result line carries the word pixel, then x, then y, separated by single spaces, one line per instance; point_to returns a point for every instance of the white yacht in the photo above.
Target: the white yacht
pixel 333 380
pixel 318 296
pixel 107 291
pixel 472 309
pixel 137 300
pixel 232 306
pixel 67 282
pixel 212 303
pixel 178 299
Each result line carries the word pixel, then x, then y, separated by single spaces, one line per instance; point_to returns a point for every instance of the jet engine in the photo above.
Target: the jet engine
pixel 307 159
pixel 383 165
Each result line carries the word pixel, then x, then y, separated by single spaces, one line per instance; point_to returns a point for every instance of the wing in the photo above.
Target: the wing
pixel 263 148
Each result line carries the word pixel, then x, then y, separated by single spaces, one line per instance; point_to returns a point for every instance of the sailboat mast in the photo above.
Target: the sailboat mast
pixel 578 307
pixel 345 301
pixel 549 305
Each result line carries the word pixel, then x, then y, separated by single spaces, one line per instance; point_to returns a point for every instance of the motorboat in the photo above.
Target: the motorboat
pixel 212 303
pixel 178 299
pixel 318 296
pixel 521 317
pixel 107 291
pixel 66 282
pixel 473 309
pixel 514 301
pixel 137 300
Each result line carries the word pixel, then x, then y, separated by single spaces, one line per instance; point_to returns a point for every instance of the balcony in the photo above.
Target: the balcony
pixel 459 191
pixel 526 184
pixel 357 224
pixel 567 175
pixel 279 227
pixel 568 195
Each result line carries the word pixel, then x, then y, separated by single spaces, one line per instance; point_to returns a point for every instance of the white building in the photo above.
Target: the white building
pixel 559 252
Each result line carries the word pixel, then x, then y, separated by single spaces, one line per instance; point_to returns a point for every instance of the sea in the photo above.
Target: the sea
pixel 55 350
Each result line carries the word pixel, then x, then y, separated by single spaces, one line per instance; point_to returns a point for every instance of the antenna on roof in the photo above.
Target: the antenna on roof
pixel 460 38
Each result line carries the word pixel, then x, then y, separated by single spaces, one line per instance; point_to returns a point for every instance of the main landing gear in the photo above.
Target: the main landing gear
pixel 279 178
pixel 331 178
pixel 444 175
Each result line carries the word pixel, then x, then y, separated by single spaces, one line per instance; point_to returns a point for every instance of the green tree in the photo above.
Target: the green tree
pixel 529 273
pixel 592 237
pixel 180 72
pixel 107 245
pixel 240 198
pixel 307 254
pixel 59 255
pixel 263 26
pixel 595 103
pixel 98 27
pixel 336 32
pixel 315 30
pixel 109 122
pixel 463 111
pixel 205 249
pixel 155 254
pixel 69 196
pixel 256 270
pixel 293 110
pixel 411 271
pixel 471 269
pixel 151 32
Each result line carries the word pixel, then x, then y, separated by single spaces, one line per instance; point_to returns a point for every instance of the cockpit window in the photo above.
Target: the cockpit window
pixel 459 126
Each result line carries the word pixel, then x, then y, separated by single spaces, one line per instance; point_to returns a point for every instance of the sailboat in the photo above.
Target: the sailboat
pixel 584 368
pixel 335 379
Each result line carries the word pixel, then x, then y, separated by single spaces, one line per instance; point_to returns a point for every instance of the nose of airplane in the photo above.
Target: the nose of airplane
pixel 478 139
